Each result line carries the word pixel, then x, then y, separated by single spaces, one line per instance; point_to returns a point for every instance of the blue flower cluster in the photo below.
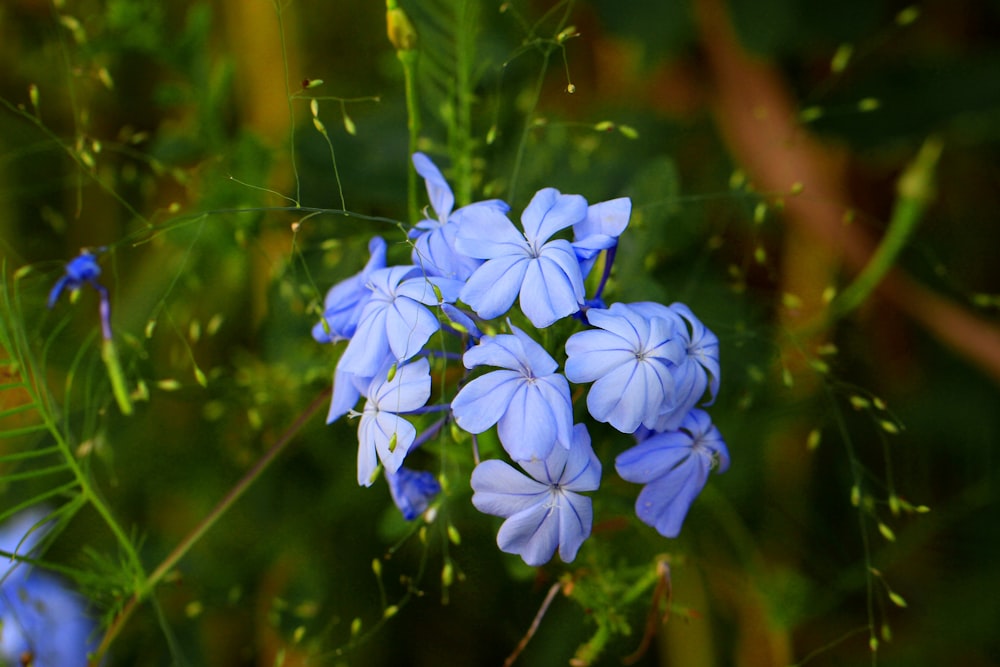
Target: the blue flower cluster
pixel 649 367
pixel 42 623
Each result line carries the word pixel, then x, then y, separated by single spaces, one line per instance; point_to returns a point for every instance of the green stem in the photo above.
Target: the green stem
pixel 408 58
pixel 528 125
pixel 465 40
pixel 403 37
pixel 206 524
pixel 915 190
pixel 118 387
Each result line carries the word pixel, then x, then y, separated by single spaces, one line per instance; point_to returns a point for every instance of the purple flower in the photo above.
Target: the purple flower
pixel 674 467
pixel 697 371
pixel 412 490
pixel 545 511
pixel 383 435
pixel 84 270
pixel 344 301
pixel 396 323
pixel 529 401
pixel 39 615
pixel 544 273
pixel 629 358
pixel 434 248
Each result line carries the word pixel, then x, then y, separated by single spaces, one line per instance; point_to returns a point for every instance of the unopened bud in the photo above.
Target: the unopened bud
pixel 447 574
pixel 886 532
pixel 399 29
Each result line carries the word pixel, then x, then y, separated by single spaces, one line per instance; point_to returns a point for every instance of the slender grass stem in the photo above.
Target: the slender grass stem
pixel 206 524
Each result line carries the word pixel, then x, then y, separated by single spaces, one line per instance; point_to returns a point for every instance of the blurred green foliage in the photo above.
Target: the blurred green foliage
pixel 180 137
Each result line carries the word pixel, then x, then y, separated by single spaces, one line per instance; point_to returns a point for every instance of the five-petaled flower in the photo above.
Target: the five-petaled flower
pixel 697 371
pixel 546 274
pixel 396 323
pixel 383 434
pixel 528 400
pixel 545 511
pixel 674 467
pixel 629 358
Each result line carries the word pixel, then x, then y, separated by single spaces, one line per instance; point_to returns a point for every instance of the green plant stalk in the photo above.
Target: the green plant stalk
pixel 408 58
pixel 118 386
pixel 915 191
pixel 462 123
pixel 192 538
pixel 403 38
pixel 528 124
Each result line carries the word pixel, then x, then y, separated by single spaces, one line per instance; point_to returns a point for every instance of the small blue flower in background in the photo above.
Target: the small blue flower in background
pixel 412 490
pixel 545 511
pixel 383 435
pixel 674 467
pixel 84 270
pixel 600 230
pixel 546 274
pixel 42 623
pixel 697 371
pixel 629 358
pixel 395 323
pixel 434 248
pixel 344 301
pixel 528 400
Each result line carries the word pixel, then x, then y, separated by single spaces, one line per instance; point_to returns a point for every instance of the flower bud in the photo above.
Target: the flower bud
pixel 399 29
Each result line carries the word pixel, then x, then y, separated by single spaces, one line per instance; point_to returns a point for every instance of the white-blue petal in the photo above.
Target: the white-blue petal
pixel 442 199
pixel 501 490
pixel 547 293
pixel 408 326
pixel 576 518
pixel 369 347
pixel 532 533
pixel 481 403
pixel 528 429
pixel 491 290
pixel 486 233
pixel 548 212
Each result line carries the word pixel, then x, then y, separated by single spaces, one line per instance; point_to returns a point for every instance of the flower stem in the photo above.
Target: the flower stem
pixel 205 524
pixel 915 190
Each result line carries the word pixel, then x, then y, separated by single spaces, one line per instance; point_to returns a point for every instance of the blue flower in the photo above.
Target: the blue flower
pixel 629 358
pixel 529 401
pixel 84 270
pixel 600 230
pixel 434 248
pixel 383 435
pixel 39 616
pixel 395 323
pixel 697 371
pixel 412 491
pixel 674 467
pixel 544 511
pixel 546 274
pixel 344 301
